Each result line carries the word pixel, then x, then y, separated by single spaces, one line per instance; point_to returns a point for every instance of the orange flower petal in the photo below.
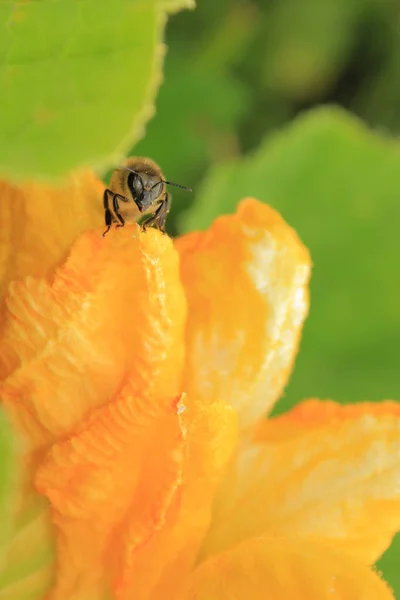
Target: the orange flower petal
pixel 159 567
pixel 322 471
pixel 39 224
pixel 110 486
pixel 246 284
pixel 93 363
pixel 281 569
pixel 114 312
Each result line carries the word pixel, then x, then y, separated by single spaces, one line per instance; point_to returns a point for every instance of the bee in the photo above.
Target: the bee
pixel 138 188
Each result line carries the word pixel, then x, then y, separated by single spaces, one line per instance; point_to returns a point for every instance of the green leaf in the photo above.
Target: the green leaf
pixel 77 81
pixel 26 552
pixel 8 482
pixel 172 6
pixel 28 569
pixel 338 185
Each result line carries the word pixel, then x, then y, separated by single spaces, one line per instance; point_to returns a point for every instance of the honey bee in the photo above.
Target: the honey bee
pixel 138 188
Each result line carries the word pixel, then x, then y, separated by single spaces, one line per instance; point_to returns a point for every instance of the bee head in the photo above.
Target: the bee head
pixel 145 188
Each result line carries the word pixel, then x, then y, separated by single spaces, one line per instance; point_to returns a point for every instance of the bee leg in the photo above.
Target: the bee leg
pixel 107 212
pixel 160 216
pixel 162 213
pixel 116 209
pixel 108 219
pixel 108 215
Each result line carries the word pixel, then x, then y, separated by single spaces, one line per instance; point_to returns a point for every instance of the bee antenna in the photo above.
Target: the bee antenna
pixel 188 189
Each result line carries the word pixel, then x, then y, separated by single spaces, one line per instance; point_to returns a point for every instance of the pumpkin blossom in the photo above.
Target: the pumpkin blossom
pixel 137 372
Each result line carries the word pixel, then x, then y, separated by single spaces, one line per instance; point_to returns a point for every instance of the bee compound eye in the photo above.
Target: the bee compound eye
pixel 135 185
pixel 138 185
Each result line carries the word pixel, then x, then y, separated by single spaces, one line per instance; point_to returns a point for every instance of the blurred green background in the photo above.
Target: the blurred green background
pixel 232 120
pixel 237 70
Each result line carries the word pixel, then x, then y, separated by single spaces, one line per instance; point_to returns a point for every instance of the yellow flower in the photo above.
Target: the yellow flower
pixel 138 373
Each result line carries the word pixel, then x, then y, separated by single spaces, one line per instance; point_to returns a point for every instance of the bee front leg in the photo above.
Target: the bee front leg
pixel 107 212
pixel 160 216
pixel 117 197
pixel 162 213
pixel 108 215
